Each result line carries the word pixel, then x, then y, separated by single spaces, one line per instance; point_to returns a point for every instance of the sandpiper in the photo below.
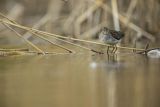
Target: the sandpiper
pixel 110 37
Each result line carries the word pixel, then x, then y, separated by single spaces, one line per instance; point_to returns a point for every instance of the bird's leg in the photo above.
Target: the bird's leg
pixel 108 49
pixel 115 49
pixel 112 49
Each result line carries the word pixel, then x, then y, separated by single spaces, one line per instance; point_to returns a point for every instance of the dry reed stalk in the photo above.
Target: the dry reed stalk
pixel 77 7
pixel 83 17
pixel 77 45
pixel 131 7
pixel 16 11
pixel 62 37
pixel 46 33
pixel 51 16
pixel 129 12
pixel 123 19
pixel 60 46
pixel 115 15
pixel 54 8
pixel 11 20
pixel 38 24
pixel 70 51
pixel 69 21
pixel 97 17
pixel 19 35
pixel 30 30
pixel 89 33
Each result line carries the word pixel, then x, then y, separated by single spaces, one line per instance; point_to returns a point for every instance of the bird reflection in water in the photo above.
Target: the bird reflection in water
pixel 105 66
pixel 107 62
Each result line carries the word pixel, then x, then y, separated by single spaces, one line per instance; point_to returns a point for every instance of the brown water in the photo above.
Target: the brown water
pixel 79 80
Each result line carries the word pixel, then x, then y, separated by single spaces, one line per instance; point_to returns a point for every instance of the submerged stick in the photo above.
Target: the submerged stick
pixel 21 49
pixel 51 53
pixel 11 53
pixel 147 50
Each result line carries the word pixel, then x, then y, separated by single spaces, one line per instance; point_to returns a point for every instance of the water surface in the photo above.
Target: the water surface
pixel 79 80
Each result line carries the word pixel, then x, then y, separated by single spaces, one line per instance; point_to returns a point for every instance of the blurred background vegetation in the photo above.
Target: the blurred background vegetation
pixel 83 19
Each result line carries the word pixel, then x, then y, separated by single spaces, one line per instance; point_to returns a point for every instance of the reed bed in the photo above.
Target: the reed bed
pixel 77 22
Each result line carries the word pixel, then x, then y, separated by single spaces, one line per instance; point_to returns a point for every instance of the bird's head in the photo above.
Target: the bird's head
pixel 105 31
